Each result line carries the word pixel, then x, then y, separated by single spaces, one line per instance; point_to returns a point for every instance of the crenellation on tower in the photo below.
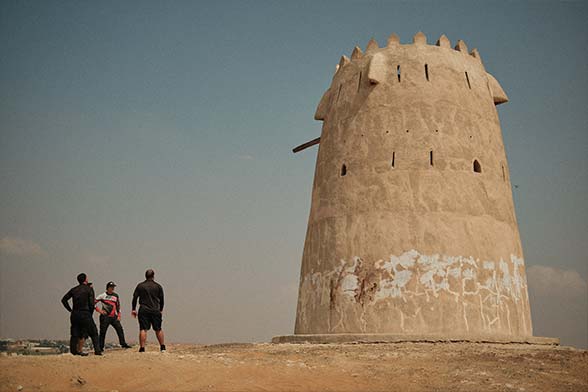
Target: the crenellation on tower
pixel 461 46
pixel 344 61
pixel 393 40
pixel 357 53
pixel 419 39
pixel 443 42
pixel 476 54
pixel 372 45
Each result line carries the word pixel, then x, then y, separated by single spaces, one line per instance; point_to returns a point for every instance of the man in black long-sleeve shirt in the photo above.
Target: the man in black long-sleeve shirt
pixel 81 315
pixel 150 295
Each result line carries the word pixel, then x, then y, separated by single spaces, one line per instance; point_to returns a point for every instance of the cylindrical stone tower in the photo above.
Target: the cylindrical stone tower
pixel 412 229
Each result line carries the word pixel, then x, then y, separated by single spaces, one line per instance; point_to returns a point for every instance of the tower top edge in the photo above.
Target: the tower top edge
pixel 418 40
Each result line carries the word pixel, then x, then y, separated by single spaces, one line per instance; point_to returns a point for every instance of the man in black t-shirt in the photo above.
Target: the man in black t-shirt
pixel 150 296
pixel 81 315
pixel 85 336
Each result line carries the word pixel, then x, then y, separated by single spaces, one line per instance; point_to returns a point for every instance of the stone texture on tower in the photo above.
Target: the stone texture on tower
pixel 412 228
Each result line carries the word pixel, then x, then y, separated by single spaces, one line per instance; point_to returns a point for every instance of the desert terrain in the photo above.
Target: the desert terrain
pixel 306 367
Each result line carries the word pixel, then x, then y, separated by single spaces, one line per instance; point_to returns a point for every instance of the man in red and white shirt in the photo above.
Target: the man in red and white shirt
pixel 110 315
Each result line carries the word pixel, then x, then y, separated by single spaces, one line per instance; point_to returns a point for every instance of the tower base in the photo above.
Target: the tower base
pixel 396 338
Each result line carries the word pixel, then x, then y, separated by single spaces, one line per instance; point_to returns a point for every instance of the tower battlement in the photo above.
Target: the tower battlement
pixel 438 66
pixel 394 42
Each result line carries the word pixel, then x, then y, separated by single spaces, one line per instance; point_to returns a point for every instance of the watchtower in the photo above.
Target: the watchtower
pixel 412 229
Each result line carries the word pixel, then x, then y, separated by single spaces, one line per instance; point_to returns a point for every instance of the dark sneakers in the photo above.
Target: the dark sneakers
pixel 82 354
pixel 161 348
pixel 125 346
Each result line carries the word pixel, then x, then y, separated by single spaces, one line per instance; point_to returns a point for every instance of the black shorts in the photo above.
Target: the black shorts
pixel 82 324
pixel 148 319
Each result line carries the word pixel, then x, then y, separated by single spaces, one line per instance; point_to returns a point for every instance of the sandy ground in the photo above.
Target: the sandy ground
pixel 305 367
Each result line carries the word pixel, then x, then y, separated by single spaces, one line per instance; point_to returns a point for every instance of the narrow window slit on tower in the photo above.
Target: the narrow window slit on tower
pixel 393 158
pixel 477 166
pixel 339 92
pixel 468 80
pixel 343 170
pixel 427 71
pixel 398 72
pixel 359 82
pixel 503 174
pixel 431 158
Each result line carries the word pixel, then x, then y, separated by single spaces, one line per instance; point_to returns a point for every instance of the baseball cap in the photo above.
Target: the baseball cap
pixel 110 284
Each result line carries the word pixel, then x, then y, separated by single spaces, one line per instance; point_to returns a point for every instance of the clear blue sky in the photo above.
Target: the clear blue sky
pixel 159 134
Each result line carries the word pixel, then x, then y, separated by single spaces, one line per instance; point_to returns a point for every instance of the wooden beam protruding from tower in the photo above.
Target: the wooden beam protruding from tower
pixel 306 145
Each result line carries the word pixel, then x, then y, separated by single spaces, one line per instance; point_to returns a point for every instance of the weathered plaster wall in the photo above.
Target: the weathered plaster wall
pixel 402 242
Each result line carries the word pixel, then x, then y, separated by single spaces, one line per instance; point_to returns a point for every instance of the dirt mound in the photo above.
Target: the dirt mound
pixel 305 367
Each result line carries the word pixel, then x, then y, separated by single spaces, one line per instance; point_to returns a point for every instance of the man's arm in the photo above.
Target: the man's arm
pixel 91 300
pixel 97 301
pixel 65 300
pixel 118 307
pixel 135 296
pixel 134 304
pixel 160 298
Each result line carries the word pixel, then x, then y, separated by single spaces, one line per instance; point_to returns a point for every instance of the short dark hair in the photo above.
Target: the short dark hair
pixel 149 274
pixel 81 278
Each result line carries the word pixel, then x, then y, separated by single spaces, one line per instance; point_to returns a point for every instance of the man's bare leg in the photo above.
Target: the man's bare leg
pixel 160 339
pixel 81 343
pixel 142 339
pixel 159 335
